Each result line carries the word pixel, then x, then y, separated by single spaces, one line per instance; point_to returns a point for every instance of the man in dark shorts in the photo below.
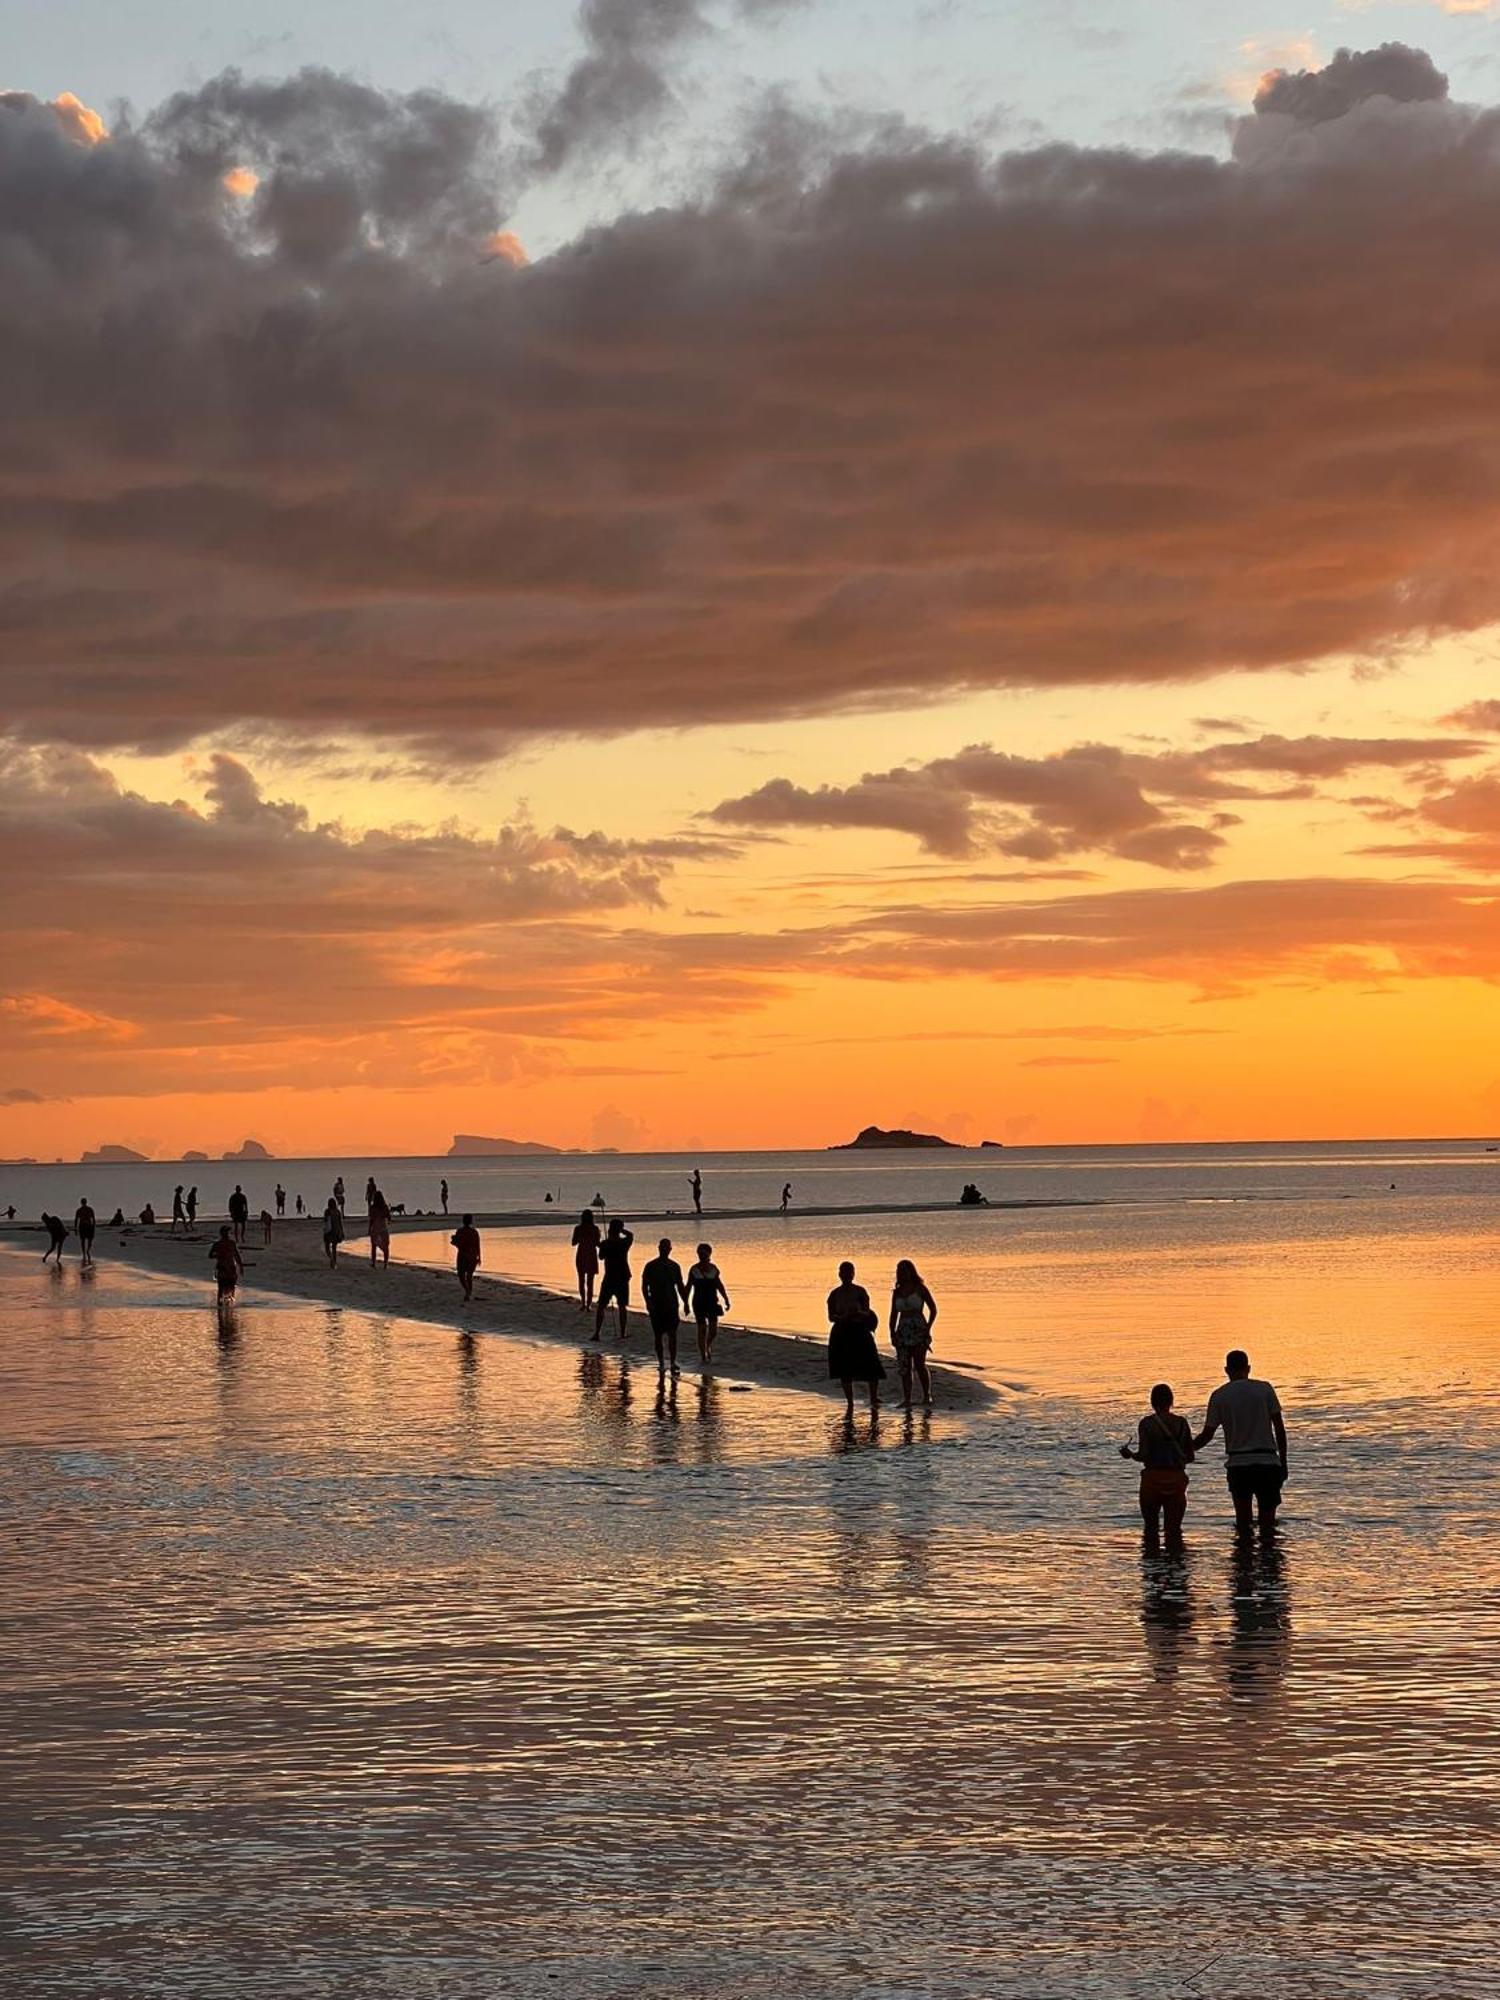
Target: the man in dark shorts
pixel 1249 1414
pixel 227 1261
pixel 614 1255
pixel 85 1222
pixel 465 1241
pixel 664 1290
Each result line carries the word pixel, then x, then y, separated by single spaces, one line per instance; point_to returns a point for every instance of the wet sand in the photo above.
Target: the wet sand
pixel 294 1264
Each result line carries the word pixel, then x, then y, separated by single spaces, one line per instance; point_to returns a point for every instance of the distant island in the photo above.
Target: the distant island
pixel 875 1139
pixel 193 1156
pixel 474 1146
pixel 112 1156
pixel 251 1150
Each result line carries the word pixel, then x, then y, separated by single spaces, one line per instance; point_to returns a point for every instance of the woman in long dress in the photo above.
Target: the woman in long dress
pixel 852 1356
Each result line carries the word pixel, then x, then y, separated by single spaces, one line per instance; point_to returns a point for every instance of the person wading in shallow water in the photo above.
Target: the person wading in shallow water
pixel 85 1221
pixel 1164 1451
pixel 57 1233
pixel 851 1339
pixel 465 1241
pixel 615 1252
pixel 913 1316
pixel 227 1261
pixel 1249 1413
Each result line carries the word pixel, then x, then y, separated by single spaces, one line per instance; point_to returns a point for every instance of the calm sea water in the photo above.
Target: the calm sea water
pixel 344 1656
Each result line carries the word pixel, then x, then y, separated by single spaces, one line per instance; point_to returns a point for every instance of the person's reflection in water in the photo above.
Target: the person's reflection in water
pixel 848 1434
pixel 1167 1609
pixel 226 1313
pixel 710 1427
pixel 1260 1631
pixel 468 1385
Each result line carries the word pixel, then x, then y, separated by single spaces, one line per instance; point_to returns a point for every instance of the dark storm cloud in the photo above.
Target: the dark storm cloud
pixel 878 416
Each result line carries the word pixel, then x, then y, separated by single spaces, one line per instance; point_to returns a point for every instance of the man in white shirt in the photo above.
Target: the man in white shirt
pixel 1254 1442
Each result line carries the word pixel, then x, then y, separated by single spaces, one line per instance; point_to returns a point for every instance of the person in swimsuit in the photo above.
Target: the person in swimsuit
pixel 465 1241
pixel 786 1197
pixel 665 1293
pixel 443 1195
pixel 192 1207
pixel 85 1221
pixel 227 1262
pixel 913 1314
pixel 333 1231
pixel 851 1339
pixel 57 1235
pixel 615 1254
pixel 239 1212
pixel 280 1199
pixel 696 1184
pixel 586 1257
pixel 706 1291
pixel 179 1213
pixel 1164 1451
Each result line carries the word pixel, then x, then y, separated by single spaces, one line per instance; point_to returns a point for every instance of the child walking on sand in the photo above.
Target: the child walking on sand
pixel 1164 1451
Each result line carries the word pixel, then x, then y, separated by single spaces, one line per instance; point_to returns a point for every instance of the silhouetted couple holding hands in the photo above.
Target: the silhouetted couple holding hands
pixel 1248 1412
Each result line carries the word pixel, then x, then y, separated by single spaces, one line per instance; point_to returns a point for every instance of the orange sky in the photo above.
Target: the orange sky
pixel 684 688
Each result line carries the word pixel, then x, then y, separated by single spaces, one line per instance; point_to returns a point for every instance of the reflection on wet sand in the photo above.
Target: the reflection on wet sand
pixel 1168 1611
pixel 1260 1632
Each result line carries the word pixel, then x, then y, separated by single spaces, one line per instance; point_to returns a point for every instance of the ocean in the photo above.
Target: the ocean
pixel 350 1656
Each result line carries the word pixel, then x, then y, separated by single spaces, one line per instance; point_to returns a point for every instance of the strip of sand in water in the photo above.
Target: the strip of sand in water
pixel 294 1263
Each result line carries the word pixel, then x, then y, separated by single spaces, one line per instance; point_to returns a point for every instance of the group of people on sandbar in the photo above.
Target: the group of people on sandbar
pixel 1248 1411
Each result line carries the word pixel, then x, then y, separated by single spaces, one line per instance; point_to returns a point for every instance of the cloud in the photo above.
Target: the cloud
pixel 1094 797
pixel 876 415
pixel 1475 715
pixel 19 1094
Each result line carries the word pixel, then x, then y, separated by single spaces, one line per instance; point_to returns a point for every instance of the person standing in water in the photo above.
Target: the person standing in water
pixel 586 1257
pixel 696 1184
pixel 786 1197
pixel 1164 1451
pixel 179 1213
pixel 443 1192
pixel 851 1339
pixel 708 1298
pixel 239 1212
pixel 85 1222
pixel 192 1207
pixel 227 1261
pixel 57 1236
pixel 615 1254
pixel 465 1241
pixel 280 1199
pixel 1249 1413
pixel 663 1290
pixel 913 1315
pixel 338 1193
pixel 333 1231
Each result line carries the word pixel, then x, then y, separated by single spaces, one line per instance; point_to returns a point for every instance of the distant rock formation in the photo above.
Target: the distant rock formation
pixel 193 1156
pixel 874 1139
pixel 251 1150
pixel 997 1144
pixel 474 1146
pixel 113 1156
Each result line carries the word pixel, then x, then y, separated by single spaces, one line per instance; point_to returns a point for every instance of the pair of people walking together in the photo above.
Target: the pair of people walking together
pixel 1248 1411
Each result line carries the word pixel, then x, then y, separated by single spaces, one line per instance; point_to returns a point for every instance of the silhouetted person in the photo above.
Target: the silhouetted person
pixel 913 1316
pixel 333 1230
pixel 85 1222
pixel 1254 1442
pixel 265 1226
pixel 465 1241
pixel 786 1197
pixel 239 1212
pixel 696 1184
pixel 280 1199
pixel 117 1220
pixel 301 1207
pixel 971 1197
pixel 443 1191
pixel 851 1339
pixel 10 1213
pixel 147 1217
pixel 708 1299
pixel 179 1213
pixel 586 1257
pixel 338 1193
pixel 597 1202
pixel 380 1227
pixel 57 1236
pixel 614 1253
pixel 227 1261
pixel 664 1292
pixel 1164 1450
pixel 192 1207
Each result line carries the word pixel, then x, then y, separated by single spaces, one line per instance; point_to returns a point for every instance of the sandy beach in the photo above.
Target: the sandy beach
pixel 294 1264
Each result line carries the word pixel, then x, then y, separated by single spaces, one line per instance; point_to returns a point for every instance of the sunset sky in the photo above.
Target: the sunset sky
pixel 699 576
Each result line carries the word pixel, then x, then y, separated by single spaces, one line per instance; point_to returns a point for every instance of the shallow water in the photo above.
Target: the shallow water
pixel 345 1656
